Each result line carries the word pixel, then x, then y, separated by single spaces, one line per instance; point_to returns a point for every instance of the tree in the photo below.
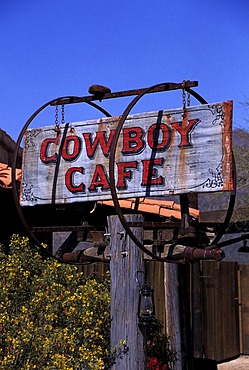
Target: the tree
pixel 241 155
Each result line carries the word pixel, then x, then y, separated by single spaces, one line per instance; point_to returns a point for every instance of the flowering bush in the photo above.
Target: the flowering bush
pixel 153 364
pixel 159 352
pixel 51 316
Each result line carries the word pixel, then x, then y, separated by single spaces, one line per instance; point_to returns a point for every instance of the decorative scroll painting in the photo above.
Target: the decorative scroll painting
pixel 158 153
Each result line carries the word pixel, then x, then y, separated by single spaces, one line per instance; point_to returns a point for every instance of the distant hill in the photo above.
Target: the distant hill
pixel 241 155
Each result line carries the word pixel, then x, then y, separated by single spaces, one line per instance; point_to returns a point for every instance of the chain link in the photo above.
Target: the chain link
pixel 184 100
pixel 56 115
pixel 57 127
pixel 62 114
pixel 183 96
pixel 188 100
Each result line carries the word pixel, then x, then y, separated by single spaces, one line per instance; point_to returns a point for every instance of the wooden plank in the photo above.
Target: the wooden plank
pixel 197 310
pixel 213 216
pixel 244 278
pixel 127 277
pixel 158 153
pixel 94 268
pixel 172 308
pixel 164 279
pixel 185 316
pixel 155 277
pixel 220 294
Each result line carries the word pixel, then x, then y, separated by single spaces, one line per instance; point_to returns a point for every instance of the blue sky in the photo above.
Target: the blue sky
pixel 56 48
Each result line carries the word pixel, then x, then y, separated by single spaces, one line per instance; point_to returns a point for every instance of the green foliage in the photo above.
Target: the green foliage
pixel 118 352
pixel 51 316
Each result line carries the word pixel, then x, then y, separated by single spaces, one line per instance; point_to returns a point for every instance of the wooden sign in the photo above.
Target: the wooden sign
pixel 158 153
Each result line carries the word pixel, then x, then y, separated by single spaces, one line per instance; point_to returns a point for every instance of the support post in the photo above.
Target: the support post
pixel 185 317
pixel 127 276
pixel 172 306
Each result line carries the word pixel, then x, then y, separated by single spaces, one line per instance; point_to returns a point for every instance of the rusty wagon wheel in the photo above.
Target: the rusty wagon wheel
pixel 24 222
pixel 113 187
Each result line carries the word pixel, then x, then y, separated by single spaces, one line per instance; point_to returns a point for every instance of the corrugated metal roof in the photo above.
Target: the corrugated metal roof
pixel 160 207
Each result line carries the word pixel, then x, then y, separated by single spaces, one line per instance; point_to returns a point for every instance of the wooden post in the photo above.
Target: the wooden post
pixel 127 276
pixel 185 317
pixel 172 306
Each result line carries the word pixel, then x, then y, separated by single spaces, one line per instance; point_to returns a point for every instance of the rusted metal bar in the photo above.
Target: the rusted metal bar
pixel 49 229
pixel 78 256
pixel 182 254
pixel 240 238
pixel 179 254
pixel 119 94
pixel 155 225
pixel 197 254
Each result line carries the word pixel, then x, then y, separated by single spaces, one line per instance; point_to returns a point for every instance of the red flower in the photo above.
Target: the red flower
pixel 153 364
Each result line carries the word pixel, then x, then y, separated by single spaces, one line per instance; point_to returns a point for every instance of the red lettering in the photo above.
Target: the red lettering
pixel 99 179
pixel 133 142
pixel 124 174
pixel 150 173
pixel 185 130
pixel 46 148
pixel 69 180
pixel 99 140
pixel 71 148
pixel 154 134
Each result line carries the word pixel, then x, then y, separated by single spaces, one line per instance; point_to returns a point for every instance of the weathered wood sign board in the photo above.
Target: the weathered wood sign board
pixel 158 153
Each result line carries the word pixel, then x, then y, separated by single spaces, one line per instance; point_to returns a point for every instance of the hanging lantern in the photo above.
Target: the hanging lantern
pixel 146 305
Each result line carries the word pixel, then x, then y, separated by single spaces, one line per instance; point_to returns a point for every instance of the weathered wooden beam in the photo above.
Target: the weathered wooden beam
pixel 215 216
pixel 127 276
pixel 172 309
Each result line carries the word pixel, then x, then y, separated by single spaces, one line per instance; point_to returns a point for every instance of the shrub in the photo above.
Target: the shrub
pixel 51 316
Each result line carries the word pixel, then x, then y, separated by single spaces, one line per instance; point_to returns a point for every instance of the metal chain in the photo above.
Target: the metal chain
pixel 183 96
pixel 62 114
pixel 183 100
pixel 57 126
pixel 56 115
pixel 188 100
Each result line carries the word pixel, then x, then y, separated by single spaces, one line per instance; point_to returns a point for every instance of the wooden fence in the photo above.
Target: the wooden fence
pixel 216 329
pixel 244 308
pixel 219 297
